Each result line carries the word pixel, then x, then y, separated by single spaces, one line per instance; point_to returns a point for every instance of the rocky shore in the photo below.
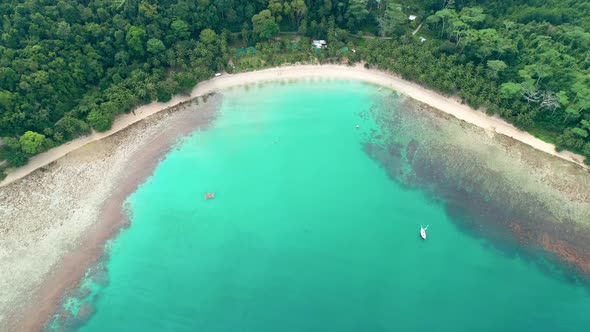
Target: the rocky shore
pixel 55 221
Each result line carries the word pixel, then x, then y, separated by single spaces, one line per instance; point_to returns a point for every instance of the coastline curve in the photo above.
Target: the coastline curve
pixel 358 72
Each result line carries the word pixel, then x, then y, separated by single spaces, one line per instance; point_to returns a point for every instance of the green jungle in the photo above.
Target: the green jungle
pixel 69 67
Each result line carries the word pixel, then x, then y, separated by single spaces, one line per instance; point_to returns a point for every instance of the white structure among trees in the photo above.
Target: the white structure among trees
pixel 319 43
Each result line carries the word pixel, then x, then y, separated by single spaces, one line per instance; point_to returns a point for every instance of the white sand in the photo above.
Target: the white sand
pixel 415 91
pixel 358 72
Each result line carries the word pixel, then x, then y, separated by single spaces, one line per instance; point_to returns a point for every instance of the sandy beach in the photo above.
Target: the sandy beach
pixel 56 219
pixel 358 72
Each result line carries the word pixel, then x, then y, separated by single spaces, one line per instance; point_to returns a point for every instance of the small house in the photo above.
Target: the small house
pixel 217 74
pixel 412 17
pixel 422 39
pixel 319 43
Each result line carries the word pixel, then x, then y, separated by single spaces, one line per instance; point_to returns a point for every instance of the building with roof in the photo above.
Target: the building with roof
pixel 319 43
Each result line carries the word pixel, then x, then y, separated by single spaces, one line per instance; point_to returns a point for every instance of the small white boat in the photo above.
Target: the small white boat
pixel 423 232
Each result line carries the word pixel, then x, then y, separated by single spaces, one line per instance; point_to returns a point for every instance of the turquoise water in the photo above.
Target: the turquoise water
pixel 306 233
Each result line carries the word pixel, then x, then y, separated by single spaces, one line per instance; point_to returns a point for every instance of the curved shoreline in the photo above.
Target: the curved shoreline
pixel 59 219
pixel 358 72
pixel 66 274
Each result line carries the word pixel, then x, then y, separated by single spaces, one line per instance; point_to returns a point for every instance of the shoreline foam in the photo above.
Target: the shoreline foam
pixel 358 72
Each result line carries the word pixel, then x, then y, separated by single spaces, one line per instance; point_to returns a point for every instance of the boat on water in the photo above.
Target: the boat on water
pixel 423 232
pixel 209 195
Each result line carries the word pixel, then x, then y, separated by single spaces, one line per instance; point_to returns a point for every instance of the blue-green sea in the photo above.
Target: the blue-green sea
pixel 309 231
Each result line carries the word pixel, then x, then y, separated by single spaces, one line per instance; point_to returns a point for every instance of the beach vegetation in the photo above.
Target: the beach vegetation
pixel 100 120
pixel 70 68
pixel 31 142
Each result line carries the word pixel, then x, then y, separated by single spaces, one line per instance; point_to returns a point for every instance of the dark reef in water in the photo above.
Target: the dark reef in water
pixel 80 306
pixel 77 307
pixel 520 200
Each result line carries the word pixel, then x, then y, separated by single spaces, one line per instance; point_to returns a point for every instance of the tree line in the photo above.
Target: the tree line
pixel 69 67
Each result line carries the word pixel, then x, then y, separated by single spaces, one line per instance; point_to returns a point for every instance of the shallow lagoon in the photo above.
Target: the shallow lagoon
pixel 315 228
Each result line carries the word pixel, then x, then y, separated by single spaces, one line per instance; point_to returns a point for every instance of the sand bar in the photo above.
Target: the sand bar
pixel 358 72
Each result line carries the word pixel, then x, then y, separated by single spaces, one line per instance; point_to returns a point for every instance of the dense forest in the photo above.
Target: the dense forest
pixel 68 67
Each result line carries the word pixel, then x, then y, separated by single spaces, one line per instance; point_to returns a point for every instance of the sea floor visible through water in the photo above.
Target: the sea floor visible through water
pixel 315 227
